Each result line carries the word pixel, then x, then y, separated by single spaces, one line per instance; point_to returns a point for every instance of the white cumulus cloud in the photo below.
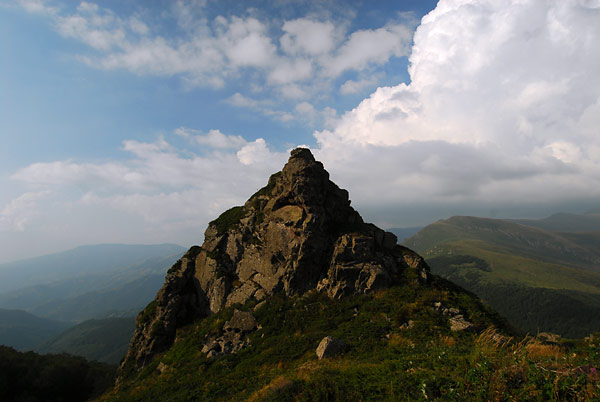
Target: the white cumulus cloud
pixel 502 107
pixel 296 58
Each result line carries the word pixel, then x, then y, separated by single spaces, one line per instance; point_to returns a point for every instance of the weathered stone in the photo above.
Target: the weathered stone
pixel 455 318
pixel 289 215
pixel 234 337
pixel 161 368
pixel 176 303
pixel 297 234
pixel 241 321
pixel 329 347
pixel 458 323
pixel 259 305
pixel 229 342
pixel 241 294
pixel 549 338
pixel 260 294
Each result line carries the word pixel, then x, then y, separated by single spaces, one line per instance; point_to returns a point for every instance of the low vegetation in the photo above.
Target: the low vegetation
pixel 62 378
pixel 227 219
pixel 397 347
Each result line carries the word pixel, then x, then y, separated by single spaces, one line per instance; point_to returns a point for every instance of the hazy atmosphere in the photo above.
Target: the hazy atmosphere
pixel 141 121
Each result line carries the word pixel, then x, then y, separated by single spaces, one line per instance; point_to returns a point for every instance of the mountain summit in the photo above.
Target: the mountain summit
pixel 293 297
pixel 296 234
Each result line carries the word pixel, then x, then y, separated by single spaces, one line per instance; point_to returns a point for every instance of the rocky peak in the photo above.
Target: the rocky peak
pixel 296 234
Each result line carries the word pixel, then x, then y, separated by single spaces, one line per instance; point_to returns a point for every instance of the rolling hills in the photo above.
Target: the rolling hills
pixel 104 340
pixel 81 262
pixel 539 279
pixel 44 296
pixel 24 331
pixel 87 282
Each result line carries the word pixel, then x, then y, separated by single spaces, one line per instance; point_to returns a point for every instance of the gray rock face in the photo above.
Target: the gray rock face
pixel 234 336
pixel 242 321
pixel 175 304
pixel 329 347
pixel 296 234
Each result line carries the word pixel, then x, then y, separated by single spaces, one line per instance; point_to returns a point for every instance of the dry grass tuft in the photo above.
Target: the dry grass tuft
pixel 305 370
pixel 448 340
pixel 278 384
pixel 536 350
pixel 399 340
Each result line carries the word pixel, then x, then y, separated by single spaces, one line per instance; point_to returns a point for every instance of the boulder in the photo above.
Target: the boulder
pixel 329 347
pixel 241 321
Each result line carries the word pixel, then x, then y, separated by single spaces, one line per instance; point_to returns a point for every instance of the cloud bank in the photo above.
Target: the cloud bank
pixel 503 109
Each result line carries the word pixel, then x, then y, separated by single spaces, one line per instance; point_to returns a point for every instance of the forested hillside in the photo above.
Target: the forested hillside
pixel 50 378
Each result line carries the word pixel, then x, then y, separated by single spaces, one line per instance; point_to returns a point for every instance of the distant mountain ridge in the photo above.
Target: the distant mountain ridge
pixel 529 241
pixel 87 282
pixel 539 279
pixel 80 261
pixel 566 222
pixel 404 233
pixel 102 281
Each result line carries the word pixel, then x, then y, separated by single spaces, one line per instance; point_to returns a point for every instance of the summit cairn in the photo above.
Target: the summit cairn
pixel 297 234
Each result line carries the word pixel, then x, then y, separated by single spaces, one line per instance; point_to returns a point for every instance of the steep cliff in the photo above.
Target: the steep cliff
pixel 297 234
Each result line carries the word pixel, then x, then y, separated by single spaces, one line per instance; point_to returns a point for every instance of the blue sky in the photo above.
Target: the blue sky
pixel 139 122
pixel 73 110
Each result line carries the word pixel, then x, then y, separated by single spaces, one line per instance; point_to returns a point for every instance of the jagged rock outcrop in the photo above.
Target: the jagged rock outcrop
pixel 297 234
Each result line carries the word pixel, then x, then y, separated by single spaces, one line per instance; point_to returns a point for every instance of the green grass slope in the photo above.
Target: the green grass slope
pixel 103 340
pixel 23 331
pixel 509 237
pixel 383 359
pixel 540 280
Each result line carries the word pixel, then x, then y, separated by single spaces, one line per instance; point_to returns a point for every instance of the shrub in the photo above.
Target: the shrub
pixel 227 219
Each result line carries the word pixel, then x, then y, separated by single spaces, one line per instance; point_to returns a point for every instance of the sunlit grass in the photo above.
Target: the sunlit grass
pixel 384 360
